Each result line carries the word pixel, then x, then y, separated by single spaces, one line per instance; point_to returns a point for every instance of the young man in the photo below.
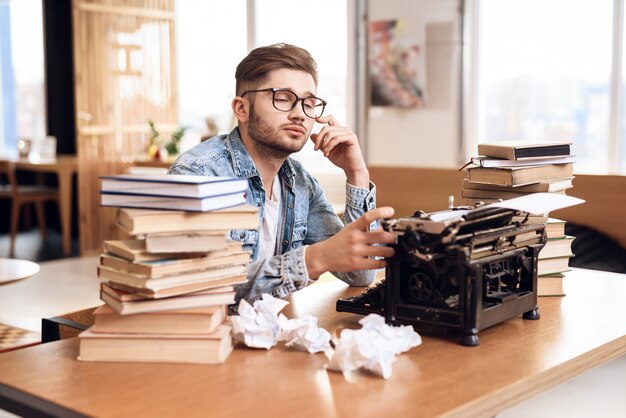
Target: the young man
pixel 300 237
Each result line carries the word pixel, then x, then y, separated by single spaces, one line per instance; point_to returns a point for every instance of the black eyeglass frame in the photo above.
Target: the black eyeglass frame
pixel 274 90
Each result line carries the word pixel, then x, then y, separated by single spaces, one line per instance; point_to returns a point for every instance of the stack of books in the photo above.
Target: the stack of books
pixel 164 191
pixel 509 169
pixel 553 258
pixel 169 286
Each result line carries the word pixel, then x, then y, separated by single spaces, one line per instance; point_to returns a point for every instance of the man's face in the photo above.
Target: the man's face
pixel 275 132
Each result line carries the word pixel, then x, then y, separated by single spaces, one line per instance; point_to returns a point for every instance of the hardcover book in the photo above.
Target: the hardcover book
pixel 205 204
pixel 516 150
pixel 180 321
pixel 517 176
pixel 126 303
pixel 135 250
pixel 557 247
pixel 168 267
pixel 187 241
pixel 550 285
pixel 210 348
pixel 550 266
pixel 555 228
pixel 218 285
pixel 138 221
pixel 140 280
pixel 173 185
pixel 484 194
pixel 540 187
pixel 499 162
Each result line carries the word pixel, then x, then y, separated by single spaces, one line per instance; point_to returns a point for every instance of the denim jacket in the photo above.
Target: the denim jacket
pixel 306 215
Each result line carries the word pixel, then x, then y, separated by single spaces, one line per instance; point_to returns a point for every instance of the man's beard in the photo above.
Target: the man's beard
pixel 266 140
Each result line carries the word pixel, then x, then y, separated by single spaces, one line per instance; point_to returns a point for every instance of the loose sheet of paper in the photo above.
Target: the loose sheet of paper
pixel 538 203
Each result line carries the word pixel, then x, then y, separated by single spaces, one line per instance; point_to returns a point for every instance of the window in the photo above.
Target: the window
pixel 315 26
pixel 544 72
pixel 622 116
pixel 211 40
pixel 22 110
pixel 212 36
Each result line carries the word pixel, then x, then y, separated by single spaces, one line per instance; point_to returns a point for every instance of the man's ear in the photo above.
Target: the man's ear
pixel 241 109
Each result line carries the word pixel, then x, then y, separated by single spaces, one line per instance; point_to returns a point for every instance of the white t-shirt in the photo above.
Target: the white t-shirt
pixel 270 223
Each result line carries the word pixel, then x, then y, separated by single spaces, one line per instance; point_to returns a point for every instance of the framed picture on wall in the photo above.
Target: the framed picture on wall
pixel 411 83
pixel 396 62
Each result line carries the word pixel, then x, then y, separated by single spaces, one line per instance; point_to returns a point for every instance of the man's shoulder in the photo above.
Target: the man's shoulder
pixel 211 157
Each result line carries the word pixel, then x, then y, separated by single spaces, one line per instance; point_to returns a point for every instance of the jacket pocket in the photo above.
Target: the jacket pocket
pixel 299 233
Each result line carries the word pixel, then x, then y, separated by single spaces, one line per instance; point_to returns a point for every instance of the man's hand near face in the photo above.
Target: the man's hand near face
pixel 351 248
pixel 341 146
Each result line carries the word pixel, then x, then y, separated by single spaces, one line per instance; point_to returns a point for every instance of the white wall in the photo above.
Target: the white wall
pixel 428 136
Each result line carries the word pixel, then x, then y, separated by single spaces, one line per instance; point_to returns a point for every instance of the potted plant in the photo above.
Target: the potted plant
pixel 171 147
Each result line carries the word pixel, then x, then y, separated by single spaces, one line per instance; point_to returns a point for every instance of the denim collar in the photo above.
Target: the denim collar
pixel 244 167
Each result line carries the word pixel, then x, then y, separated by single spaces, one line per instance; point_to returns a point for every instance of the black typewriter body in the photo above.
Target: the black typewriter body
pixel 467 272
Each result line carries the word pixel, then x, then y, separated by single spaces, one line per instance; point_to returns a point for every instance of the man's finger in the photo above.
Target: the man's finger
pixel 330 120
pixel 370 216
pixel 370 264
pixel 377 251
pixel 317 140
pixel 381 237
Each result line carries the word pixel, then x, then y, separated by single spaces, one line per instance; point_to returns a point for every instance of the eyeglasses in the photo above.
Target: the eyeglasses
pixel 285 100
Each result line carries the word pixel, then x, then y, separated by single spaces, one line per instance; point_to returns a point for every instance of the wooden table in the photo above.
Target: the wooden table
pixel 12 269
pixel 64 166
pixel 515 360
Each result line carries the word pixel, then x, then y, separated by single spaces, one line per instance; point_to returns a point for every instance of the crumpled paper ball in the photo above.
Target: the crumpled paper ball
pixel 304 333
pixel 258 326
pixel 261 326
pixel 373 347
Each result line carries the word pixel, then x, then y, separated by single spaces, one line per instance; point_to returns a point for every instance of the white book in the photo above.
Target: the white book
pixel 547 186
pixel 173 185
pixel 173 203
pixel 500 162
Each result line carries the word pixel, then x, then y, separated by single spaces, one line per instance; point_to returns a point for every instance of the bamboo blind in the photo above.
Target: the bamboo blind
pixel 125 75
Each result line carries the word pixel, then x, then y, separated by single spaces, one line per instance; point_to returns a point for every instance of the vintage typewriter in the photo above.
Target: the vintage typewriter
pixel 465 269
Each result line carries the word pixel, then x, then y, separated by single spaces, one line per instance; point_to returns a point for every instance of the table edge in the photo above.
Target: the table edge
pixel 23 403
pixel 505 397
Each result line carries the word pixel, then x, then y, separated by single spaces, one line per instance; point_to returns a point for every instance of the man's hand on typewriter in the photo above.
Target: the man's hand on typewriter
pixel 352 248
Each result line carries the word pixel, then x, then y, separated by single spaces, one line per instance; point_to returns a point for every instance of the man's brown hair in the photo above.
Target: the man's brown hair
pixel 256 66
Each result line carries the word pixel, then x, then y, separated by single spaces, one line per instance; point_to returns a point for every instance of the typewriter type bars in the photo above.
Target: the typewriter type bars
pixel 460 269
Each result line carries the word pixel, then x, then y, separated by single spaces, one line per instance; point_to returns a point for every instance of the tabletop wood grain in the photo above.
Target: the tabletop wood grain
pixel 516 359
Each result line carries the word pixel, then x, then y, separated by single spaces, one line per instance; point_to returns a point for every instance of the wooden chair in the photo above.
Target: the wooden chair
pixel 22 195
